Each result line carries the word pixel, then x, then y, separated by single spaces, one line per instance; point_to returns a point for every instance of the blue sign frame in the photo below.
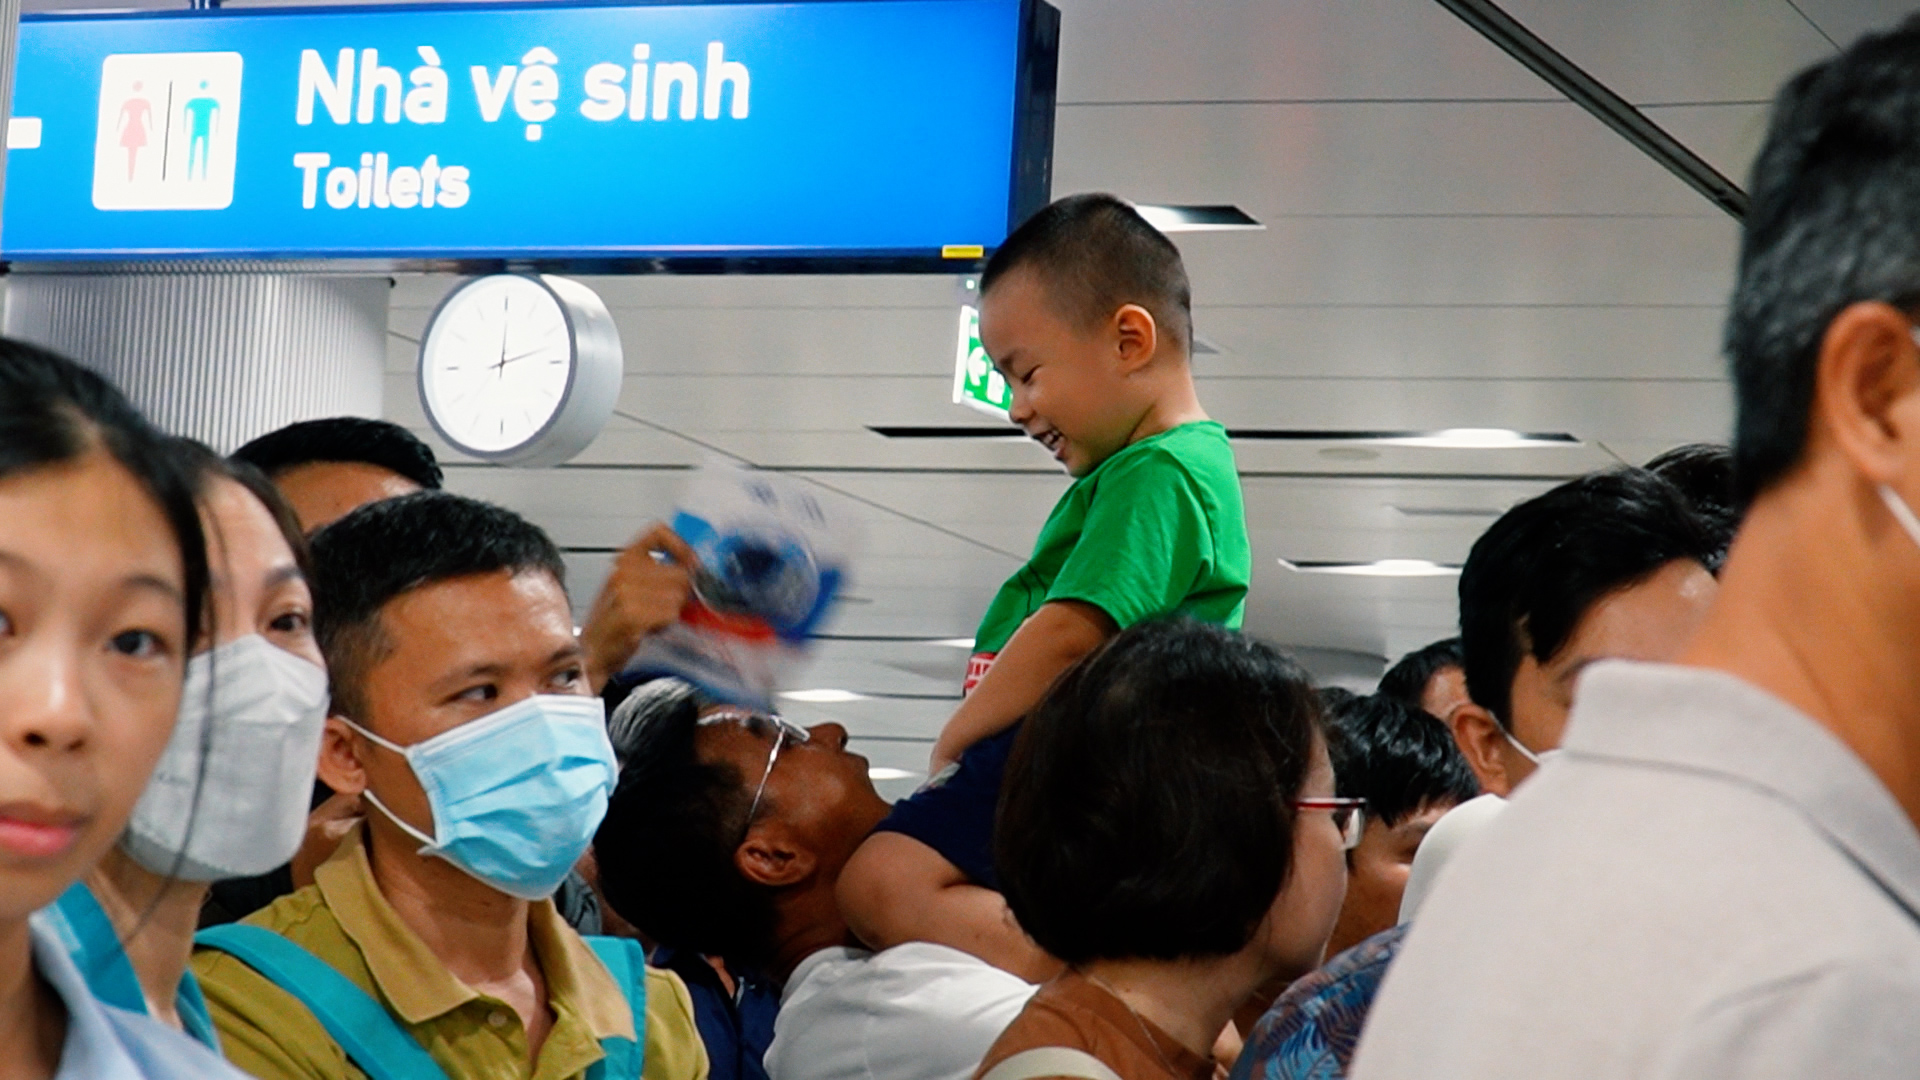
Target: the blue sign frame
pixel 593 137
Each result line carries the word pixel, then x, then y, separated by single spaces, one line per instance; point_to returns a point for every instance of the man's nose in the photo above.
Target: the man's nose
pixel 832 736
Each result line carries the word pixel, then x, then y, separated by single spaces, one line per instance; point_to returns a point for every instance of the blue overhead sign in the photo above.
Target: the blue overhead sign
pixel 877 131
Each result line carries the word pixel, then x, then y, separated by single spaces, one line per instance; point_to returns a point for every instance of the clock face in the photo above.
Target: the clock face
pixel 497 364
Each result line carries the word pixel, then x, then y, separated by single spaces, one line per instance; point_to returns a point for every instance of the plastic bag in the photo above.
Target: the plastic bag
pixel 773 562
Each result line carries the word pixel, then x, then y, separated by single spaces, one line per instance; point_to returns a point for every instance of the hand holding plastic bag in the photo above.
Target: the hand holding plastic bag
pixel 771 564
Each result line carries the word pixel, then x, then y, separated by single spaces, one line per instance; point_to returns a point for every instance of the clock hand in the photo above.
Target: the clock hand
pixel 506 313
pixel 521 356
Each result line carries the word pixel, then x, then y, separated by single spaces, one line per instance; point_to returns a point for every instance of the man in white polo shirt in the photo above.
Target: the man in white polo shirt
pixel 1720 877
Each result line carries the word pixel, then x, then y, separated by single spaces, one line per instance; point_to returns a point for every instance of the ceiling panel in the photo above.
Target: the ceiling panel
pixel 1661 52
pixel 1157 50
pixel 1364 158
pixel 1842 21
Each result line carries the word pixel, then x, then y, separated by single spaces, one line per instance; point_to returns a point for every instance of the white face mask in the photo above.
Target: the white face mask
pixel 260 711
pixel 1538 759
pixel 1901 512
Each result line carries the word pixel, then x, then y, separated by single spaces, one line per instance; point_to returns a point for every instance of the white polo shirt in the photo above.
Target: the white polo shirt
pixel 1706 884
pixel 913 1012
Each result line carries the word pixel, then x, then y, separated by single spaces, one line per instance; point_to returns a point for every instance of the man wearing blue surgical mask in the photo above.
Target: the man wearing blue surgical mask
pixel 428 943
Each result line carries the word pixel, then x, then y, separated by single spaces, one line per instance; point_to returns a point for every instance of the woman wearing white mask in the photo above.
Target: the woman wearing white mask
pixel 103 580
pixel 229 795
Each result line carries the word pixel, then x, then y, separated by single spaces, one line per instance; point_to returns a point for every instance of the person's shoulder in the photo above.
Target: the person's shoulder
pixel 674 1050
pixel 1849 1017
pixel 264 1028
pixel 161 1053
pixel 1049 1019
pixel 299 914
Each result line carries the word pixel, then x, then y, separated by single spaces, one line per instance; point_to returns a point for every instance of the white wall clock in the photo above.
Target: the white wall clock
pixel 520 369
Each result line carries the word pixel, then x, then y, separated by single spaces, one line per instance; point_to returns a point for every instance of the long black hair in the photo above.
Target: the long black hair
pixel 53 411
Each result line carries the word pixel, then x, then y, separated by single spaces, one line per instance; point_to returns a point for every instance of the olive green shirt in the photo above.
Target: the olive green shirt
pixel 344 921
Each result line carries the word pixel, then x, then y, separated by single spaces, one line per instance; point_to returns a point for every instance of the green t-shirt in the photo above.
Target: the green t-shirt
pixel 1156 529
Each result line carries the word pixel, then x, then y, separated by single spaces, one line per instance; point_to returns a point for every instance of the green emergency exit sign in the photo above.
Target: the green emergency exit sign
pixel 975 381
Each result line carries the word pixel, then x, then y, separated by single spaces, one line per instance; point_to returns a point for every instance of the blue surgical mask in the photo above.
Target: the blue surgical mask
pixel 517 794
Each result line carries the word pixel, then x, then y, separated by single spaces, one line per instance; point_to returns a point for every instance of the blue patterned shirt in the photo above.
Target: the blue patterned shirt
pixel 1312 1030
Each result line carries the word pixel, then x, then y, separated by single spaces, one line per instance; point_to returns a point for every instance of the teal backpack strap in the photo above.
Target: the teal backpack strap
pixel 362 1026
pixel 627 962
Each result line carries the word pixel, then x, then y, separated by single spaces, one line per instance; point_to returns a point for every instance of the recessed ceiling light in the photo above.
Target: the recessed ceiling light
pixel 954 642
pixel 822 697
pixel 1446 511
pixel 1377 568
pixel 883 772
pixel 1197 218
pixel 1481 439
pixel 1446 438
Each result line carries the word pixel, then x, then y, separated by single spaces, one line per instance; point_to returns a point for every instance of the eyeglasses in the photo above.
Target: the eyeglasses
pixel 760 725
pixel 1349 816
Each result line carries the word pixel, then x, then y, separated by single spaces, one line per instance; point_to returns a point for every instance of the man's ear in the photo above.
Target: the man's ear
pixel 1480 739
pixel 340 767
pixel 768 856
pixel 1867 390
pixel 1137 337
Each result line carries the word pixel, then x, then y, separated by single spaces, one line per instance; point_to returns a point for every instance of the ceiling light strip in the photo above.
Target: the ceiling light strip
pixel 1594 96
pixel 1395 568
pixel 1473 438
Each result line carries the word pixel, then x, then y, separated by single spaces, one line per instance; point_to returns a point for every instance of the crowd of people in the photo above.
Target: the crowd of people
pixel 306 772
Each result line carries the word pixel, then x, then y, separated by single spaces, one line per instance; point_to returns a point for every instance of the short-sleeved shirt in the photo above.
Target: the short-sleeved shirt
pixel 105 1043
pixel 736 1025
pixel 343 920
pixel 1706 882
pixel 1311 1032
pixel 1157 529
pixel 917 1011
pixel 1075 1012
pixel 91 939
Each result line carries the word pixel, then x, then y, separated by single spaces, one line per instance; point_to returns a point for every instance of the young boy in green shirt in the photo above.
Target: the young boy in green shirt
pixel 1087 313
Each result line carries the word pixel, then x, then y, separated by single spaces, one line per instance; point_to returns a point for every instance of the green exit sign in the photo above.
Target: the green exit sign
pixel 975 381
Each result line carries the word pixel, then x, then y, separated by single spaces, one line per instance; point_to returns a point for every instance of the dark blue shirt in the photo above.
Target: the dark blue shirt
pixel 953 815
pixel 737 1028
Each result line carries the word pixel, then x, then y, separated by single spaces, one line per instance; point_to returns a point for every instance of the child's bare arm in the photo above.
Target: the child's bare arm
pixel 1052 640
pixel 896 889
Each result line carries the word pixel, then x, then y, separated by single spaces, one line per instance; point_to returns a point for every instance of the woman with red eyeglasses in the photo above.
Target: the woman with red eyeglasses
pixel 1169 830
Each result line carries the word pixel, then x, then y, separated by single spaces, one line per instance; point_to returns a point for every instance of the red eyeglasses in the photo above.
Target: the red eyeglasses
pixel 1349 816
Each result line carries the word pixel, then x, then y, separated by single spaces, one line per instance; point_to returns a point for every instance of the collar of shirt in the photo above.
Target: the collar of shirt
pixel 418 985
pixel 806 967
pixel 1710 722
pixel 104 1043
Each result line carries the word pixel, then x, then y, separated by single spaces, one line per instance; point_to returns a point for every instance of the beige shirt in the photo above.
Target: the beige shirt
pixel 1707 883
pixel 344 920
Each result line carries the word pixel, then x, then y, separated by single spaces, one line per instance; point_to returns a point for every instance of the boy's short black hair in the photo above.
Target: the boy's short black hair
pixel 1407 679
pixel 1147 806
pixel 394 546
pixel 344 439
pixel 665 849
pixel 1704 474
pixel 1531 578
pixel 1096 253
pixel 1832 221
pixel 1396 757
